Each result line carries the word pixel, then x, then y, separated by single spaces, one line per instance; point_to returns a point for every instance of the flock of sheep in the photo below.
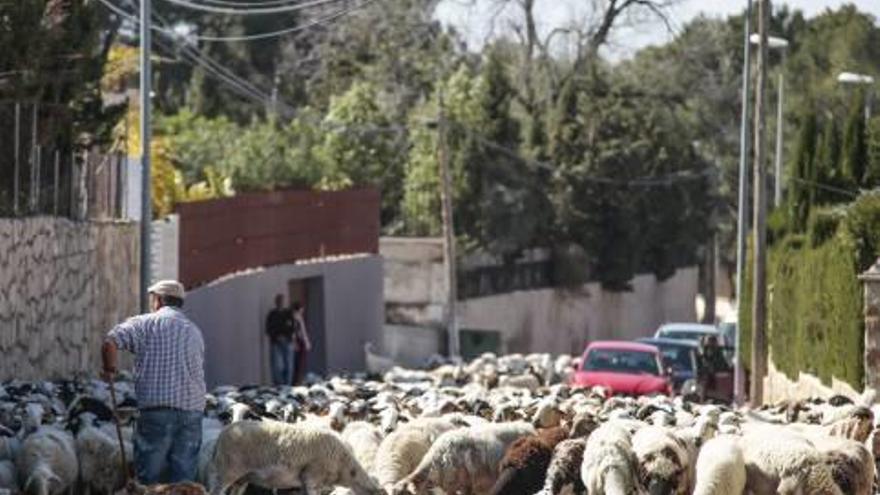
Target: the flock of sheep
pixel 497 425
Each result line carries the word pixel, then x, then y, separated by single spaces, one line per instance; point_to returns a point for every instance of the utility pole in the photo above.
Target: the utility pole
pixel 146 200
pixel 759 287
pixel 742 226
pixel 448 231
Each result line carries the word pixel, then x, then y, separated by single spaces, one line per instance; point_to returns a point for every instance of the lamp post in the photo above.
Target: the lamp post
pixel 781 44
pixel 743 194
pixel 853 78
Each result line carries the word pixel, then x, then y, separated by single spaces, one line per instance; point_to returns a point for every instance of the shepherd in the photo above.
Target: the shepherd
pixel 169 354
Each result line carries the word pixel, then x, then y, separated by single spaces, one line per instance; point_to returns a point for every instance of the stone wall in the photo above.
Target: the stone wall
pixel 63 285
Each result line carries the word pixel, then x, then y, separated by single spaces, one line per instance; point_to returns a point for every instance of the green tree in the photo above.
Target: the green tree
pixel 828 169
pixel 359 148
pixel 803 172
pixel 855 144
pixel 197 143
pixel 873 174
pixel 268 156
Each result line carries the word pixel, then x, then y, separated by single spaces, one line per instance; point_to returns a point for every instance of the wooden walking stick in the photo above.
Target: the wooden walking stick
pixel 116 421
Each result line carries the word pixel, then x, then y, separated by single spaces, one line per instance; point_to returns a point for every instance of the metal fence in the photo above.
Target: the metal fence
pixel 42 173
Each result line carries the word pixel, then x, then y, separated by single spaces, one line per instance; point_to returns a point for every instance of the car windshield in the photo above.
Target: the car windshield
pixel 678 358
pixel 683 334
pixel 621 361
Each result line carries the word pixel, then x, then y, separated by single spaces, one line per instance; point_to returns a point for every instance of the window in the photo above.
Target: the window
pixel 622 361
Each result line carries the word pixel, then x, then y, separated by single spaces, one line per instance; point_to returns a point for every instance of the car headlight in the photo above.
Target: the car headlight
pixel 690 387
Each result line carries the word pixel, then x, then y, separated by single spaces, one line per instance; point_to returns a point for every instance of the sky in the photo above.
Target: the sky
pixel 471 17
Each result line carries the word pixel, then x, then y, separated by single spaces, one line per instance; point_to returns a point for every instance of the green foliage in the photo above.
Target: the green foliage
pixel 801 193
pixel 778 225
pixel 358 149
pixel 197 143
pixel 872 176
pixel 862 228
pixel 855 145
pixel 815 309
pixel 823 224
pixel 816 321
pixel 828 166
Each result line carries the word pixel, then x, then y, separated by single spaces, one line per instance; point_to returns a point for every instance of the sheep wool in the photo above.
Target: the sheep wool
pixel 664 461
pixel 280 455
pixel 8 476
pixel 721 468
pixel 564 473
pixel 403 449
pixel 609 465
pixel 364 440
pixel 780 461
pixel 464 460
pixel 47 463
pixel 98 452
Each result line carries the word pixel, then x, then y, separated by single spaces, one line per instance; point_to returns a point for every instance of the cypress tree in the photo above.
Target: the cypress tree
pixel 828 169
pixel 855 146
pixel 803 172
pixel 872 178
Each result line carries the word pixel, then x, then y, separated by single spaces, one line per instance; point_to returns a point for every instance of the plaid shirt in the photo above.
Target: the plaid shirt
pixel 169 359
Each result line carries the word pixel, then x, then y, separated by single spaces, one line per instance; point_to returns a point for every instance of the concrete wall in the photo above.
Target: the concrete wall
pixel 63 285
pixel 165 252
pixel 415 282
pixel 557 320
pixel 778 387
pixel 231 313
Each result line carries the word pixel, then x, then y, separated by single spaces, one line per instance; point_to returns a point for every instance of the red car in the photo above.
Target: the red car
pixel 625 368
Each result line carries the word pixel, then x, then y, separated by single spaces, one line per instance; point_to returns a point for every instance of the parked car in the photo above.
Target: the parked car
pixel 626 368
pixel 689 372
pixel 681 358
pixel 690 331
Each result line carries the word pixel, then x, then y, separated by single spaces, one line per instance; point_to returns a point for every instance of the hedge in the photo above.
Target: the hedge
pixel 815 321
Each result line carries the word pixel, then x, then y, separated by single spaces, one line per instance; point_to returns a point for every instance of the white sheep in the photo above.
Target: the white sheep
pixel 664 461
pixel 609 465
pixel 47 462
pixel 464 460
pixel 851 463
pixel 781 461
pixel 278 455
pixel 528 381
pixel 97 450
pixel 9 447
pixel 8 476
pixel 721 468
pixel 364 440
pixel 403 449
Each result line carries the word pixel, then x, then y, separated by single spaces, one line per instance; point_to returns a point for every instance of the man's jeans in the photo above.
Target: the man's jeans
pixel 166 445
pixel 281 360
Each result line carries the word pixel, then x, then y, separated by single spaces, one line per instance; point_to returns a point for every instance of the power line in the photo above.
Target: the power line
pixel 826 187
pixel 271 34
pixel 212 67
pixel 251 10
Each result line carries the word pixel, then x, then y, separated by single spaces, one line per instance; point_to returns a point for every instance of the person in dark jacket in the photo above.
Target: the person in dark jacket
pixel 279 328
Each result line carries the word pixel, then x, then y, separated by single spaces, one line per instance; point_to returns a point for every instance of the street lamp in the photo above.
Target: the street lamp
pixel 776 43
pixel 853 78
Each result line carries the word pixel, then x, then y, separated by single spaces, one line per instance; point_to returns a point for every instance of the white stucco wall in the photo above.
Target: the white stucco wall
pixel 231 313
pixel 556 320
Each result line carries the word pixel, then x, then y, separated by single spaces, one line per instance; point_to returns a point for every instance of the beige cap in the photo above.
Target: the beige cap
pixel 171 288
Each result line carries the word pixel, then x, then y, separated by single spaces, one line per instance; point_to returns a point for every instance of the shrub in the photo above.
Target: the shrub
pixel 823 224
pixel 815 321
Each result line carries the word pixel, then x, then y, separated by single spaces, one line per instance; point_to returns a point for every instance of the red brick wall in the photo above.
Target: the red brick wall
pixel 223 236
